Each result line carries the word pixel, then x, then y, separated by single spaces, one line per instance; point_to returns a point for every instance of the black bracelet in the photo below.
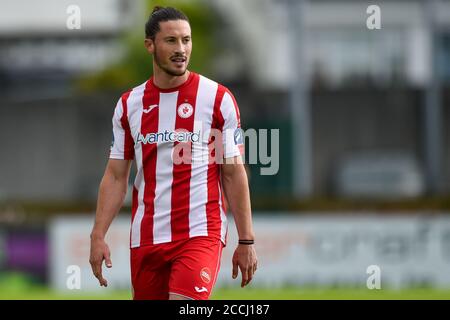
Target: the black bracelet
pixel 246 241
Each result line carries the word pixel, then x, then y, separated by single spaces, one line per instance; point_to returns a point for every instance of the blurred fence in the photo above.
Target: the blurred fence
pixel 57 148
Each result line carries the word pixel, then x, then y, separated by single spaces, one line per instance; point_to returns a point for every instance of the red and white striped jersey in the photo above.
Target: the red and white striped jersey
pixel 174 200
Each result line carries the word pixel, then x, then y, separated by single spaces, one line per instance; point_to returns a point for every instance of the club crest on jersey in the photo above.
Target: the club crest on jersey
pixel 205 274
pixel 185 110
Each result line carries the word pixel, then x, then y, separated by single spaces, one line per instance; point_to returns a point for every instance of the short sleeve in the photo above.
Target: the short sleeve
pixel 233 137
pixel 122 146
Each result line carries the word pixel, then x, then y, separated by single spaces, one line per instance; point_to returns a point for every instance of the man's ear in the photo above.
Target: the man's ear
pixel 149 45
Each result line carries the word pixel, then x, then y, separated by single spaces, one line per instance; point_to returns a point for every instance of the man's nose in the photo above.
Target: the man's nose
pixel 180 48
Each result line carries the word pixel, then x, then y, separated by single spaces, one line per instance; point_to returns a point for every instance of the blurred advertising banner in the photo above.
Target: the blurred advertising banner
pixel 305 250
pixel 69 254
pixel 24 250
pixel 341 250
pixel 2 250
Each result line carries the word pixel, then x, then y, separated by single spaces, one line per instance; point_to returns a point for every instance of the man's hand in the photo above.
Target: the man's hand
pixel 245 258
pixel 99 252
pixel 111 194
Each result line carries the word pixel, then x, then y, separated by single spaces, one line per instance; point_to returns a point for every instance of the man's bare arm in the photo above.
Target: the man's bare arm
pixel 112 192
pixel 235 183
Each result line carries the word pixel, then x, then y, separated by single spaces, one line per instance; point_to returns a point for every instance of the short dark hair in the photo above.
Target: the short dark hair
pixel 161 14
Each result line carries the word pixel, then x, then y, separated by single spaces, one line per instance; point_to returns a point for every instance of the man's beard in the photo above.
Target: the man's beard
pixel 167 70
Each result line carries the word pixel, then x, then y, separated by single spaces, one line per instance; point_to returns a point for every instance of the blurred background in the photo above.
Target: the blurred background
pixel 364 140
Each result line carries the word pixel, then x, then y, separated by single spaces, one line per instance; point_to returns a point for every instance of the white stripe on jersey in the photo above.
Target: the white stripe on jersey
pixel 229 113
pixel 164 170
pixel 135 115
pixel 206 95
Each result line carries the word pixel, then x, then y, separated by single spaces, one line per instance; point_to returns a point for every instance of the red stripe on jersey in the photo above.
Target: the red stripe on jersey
pixel 149 124
pixel 134 203
pixel 179 217
pixel 224 200
pixel 128 153
pixel 214 222
pixel 218 120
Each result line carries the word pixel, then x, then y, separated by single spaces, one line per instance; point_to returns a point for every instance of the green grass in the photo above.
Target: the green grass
pixel 331 294
pixel 16 286
pixel 39 293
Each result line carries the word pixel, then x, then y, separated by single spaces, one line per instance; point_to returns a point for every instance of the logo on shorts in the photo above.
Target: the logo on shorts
pixel 205 275
pixel 185 110
pixel 200 290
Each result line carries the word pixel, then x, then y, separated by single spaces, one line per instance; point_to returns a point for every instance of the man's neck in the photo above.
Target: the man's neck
pixel 164 80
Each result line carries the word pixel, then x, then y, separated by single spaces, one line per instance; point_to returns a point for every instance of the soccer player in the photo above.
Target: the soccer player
pixel 178 226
